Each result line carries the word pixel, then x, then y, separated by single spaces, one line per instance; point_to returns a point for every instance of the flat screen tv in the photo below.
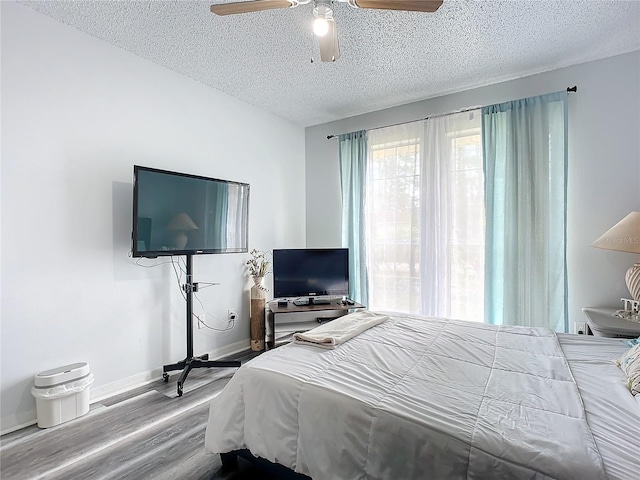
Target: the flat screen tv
pixel 181 214
pixel 310 272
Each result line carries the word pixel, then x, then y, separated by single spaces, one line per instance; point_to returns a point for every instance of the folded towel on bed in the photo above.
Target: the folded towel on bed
pixel 340 330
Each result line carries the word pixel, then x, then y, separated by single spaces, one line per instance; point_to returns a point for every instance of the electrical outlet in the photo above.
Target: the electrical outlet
pixel 232 315
pixel 580 328
pixel 200 320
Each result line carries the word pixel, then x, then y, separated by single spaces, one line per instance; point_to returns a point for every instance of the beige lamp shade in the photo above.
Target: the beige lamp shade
pixel 624 236
pixel 181 223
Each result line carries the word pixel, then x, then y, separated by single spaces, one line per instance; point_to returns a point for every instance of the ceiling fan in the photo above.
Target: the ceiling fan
pixel 324 25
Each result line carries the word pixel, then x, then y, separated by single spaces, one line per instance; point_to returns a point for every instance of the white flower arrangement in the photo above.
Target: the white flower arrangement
pixel 259 263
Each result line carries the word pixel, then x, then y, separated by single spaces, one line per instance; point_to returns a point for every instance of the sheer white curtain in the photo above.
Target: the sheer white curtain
pixel 425 217
pixel 453 217
pixel 393 217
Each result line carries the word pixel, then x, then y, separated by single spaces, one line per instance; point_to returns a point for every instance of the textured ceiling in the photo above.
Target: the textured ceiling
pixel 388 57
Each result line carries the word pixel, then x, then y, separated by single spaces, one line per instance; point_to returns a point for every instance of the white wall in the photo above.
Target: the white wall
pixel 77 114
pixel 604 165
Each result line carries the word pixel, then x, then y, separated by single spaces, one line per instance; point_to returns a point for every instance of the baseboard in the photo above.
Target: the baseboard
pixel 120 386
pixel 115 388
pixel 11 423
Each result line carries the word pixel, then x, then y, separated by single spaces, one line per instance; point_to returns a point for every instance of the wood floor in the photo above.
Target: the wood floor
pixel 147 433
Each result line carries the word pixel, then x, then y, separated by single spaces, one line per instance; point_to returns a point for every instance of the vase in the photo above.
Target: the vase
pixel 258 300
pixel 633 281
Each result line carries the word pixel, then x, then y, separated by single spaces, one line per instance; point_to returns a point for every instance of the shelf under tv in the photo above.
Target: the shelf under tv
pixel 283 321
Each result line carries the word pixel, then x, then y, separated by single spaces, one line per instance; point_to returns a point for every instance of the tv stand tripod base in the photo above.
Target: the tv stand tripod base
pixel 191 361
pixel 194 362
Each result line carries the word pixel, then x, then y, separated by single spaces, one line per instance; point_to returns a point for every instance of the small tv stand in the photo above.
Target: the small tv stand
pixel 190 361
pixel 285 321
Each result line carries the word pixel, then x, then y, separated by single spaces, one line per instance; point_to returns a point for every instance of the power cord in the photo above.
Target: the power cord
pixel 151 266
pixel 179 270
pixel 232 322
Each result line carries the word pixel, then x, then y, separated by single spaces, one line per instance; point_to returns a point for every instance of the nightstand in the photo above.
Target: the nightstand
pixel 603 323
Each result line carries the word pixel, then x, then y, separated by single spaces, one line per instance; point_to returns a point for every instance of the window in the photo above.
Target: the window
pixel 393 225
pixel 425 217
pixel 467 232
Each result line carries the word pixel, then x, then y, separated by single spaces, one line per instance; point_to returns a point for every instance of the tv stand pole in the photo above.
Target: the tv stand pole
pixel 192 362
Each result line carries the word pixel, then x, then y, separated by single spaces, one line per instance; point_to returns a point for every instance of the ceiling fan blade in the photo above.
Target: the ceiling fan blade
pixel 246 7
pixel 329 48
pixel 408 5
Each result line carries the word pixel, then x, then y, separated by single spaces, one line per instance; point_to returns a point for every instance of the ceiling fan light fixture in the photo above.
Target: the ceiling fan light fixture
pixel 324 25
pixel 320 27
pixel 322 10
pixel 324 14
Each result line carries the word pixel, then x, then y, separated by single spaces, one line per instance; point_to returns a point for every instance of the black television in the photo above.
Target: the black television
pixel 181 214
pixel 310 272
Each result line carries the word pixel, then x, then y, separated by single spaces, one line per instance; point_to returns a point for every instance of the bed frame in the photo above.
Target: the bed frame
pixel 275 470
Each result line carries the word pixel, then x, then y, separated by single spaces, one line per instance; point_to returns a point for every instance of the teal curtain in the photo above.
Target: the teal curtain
pixel 353 178
pixel 525 167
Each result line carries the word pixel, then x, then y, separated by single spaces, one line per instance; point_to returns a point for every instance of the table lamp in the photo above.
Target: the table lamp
pixel 181 224
pixel 624 236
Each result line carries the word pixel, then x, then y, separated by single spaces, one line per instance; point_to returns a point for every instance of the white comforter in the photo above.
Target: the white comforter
pixel 413 398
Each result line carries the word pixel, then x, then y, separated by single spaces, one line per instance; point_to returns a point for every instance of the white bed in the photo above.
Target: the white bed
pixel 419 397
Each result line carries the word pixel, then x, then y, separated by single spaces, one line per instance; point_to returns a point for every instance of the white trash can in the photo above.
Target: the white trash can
pixel 62 394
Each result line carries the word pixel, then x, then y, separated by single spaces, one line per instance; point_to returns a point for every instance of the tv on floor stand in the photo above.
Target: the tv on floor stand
pixel 192 362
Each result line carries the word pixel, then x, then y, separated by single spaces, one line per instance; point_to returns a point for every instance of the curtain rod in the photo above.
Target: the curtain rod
pixel 573 89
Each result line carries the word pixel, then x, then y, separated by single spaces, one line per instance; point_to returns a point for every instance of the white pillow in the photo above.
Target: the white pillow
pixel 630 365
